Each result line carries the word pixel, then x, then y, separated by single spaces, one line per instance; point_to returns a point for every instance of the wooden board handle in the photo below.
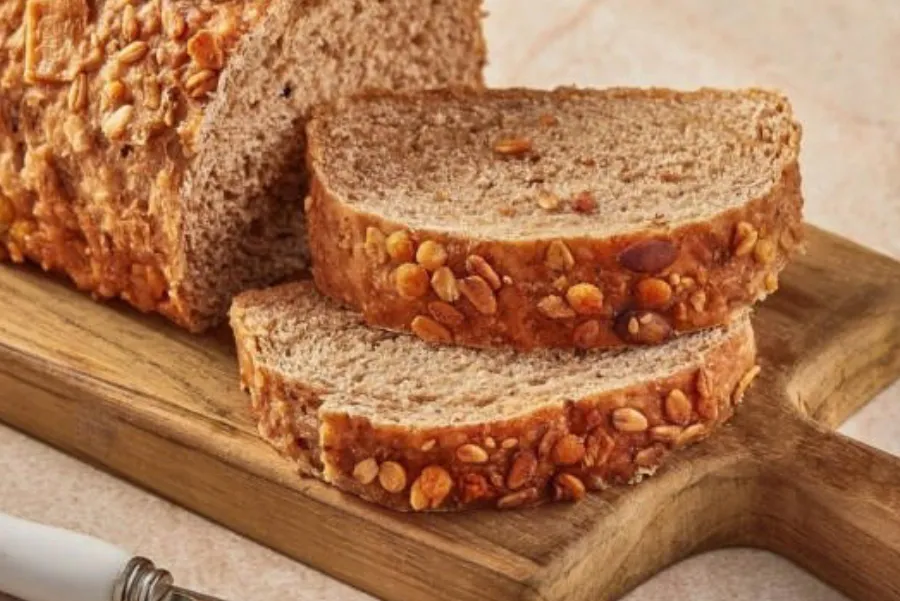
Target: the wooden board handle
pixel 832 505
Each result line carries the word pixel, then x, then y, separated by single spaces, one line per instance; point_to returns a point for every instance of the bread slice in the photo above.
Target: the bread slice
pixel 552 219
pixel 415 426
pixel 151 150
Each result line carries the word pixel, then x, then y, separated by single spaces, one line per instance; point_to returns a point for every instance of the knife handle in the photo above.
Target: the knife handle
pixel 42 563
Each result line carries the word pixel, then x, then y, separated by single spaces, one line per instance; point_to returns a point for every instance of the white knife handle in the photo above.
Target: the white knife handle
pixel 42 563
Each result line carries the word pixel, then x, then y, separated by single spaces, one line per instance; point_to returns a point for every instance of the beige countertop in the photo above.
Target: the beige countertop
pixel 839 61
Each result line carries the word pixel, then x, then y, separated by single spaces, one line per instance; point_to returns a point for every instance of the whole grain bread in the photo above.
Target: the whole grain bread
pixel 552 219
pixel 415 426
pixel 150 149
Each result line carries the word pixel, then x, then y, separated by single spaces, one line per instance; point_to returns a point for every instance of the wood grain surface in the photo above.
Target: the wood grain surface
pixel 161 408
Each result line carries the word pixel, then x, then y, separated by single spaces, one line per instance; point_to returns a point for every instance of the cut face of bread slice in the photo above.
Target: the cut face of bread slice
pixel 413 426
pixel 552 219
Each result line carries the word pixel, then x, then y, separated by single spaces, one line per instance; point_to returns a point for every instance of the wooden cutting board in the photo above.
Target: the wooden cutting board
pixel 161 408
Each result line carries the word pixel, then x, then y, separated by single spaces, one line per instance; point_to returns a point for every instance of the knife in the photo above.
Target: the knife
pixel 43 563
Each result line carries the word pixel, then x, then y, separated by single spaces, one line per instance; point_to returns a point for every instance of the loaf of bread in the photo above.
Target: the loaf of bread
pixel 152 149
pixel 553 219
pixel 416 426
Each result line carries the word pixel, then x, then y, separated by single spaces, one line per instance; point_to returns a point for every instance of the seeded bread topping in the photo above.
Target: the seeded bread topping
pixel 127 160
pixel 516 250
pixel 99 113
pixel 413 426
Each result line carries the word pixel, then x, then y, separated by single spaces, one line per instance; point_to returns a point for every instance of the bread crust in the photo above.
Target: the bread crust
pixel 101 110
pixel 557 452
pixel 716 269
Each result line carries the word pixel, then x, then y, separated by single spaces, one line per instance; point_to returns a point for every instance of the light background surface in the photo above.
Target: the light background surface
pixel 840 64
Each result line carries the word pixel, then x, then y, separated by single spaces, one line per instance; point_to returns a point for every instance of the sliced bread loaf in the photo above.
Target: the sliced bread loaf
pixel 552 219
pixel 151 150
pixel 414 426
